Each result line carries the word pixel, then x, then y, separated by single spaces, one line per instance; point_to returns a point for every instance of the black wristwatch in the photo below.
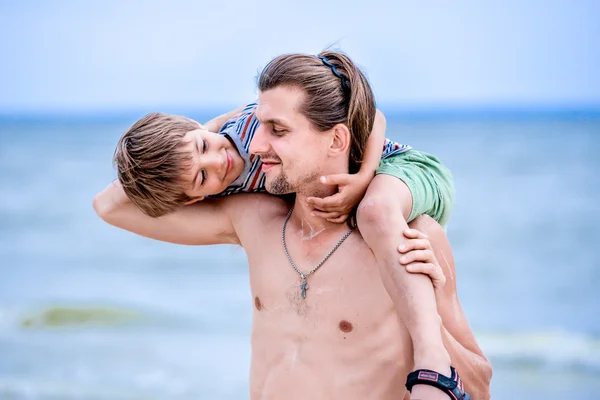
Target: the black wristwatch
pixel 452 386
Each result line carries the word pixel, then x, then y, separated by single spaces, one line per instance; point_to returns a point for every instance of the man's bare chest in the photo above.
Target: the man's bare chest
pixel 344 293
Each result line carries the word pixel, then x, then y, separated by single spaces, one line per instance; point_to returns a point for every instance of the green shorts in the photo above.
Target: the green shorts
pixel 429 181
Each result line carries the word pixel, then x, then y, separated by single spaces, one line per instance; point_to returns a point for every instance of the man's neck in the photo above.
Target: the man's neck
pixel 310 226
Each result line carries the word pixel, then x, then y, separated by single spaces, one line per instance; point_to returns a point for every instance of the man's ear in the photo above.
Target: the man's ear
pixel 195 199
pixel 340 139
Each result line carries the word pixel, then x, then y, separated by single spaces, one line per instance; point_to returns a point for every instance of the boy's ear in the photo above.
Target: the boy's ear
pixel 195 199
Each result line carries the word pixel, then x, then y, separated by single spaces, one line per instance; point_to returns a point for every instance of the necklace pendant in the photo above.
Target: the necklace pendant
pixel 303 288
pixel 304 284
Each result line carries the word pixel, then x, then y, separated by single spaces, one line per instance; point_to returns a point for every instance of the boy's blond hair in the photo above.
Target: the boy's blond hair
pixel 150 159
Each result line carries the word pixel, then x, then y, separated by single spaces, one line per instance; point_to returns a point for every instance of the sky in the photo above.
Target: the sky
pixel 111 55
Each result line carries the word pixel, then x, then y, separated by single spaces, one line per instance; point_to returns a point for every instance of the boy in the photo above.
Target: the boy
pixel 167 161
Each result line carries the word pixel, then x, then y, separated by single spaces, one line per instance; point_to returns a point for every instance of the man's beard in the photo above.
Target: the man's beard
pixel 282 185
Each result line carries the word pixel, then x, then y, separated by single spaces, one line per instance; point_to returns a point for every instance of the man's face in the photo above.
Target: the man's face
pixel 215 163
pixel 290 148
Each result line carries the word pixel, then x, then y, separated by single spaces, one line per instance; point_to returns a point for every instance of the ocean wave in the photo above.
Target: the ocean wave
pixel 55 317
pixel 101 316
pixel 542 349
pixel 12 318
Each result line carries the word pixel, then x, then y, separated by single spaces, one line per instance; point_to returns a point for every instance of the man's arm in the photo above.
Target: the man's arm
pixel 201 223
pixel 467 357
pixel 215 124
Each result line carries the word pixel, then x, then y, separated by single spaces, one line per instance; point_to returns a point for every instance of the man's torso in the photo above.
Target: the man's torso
pixel 343 340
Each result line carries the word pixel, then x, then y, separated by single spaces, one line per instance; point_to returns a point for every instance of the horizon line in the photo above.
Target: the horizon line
pixel 390 110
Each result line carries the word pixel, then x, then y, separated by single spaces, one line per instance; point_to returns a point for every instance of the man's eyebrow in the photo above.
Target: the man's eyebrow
pixel 274 121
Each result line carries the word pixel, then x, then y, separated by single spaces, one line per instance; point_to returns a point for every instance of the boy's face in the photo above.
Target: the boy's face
pixel 215 163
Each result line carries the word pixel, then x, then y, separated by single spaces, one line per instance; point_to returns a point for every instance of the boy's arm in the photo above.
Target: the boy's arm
pixel 374 148
pixel 201 223
pixel 215 124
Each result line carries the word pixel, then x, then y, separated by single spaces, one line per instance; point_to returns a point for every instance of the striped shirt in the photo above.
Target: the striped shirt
pixel 241 129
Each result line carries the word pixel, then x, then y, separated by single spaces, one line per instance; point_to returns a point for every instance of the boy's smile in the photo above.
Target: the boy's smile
pixel 214 163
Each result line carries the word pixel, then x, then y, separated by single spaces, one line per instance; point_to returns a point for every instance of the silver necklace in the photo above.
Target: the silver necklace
pixel 303 276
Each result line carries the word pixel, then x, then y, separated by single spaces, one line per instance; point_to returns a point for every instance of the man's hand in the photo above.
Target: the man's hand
pixel 337 207
pixel 418 257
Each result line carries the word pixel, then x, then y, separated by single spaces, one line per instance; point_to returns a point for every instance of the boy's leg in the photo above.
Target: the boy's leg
pixel 408 185
pixel 381 220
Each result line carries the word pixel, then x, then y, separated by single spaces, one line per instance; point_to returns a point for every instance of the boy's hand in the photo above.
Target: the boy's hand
pixel 337 207
pixel 417 256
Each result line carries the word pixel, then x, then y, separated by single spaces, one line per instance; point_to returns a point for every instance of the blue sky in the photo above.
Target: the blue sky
pixel 65 56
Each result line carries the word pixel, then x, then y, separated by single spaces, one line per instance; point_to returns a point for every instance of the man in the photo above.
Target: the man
pixel 331 333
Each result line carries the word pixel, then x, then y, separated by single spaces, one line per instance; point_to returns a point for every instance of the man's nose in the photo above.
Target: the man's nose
pixel 259 143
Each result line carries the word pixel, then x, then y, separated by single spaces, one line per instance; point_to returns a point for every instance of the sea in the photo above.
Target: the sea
pixel 91 312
